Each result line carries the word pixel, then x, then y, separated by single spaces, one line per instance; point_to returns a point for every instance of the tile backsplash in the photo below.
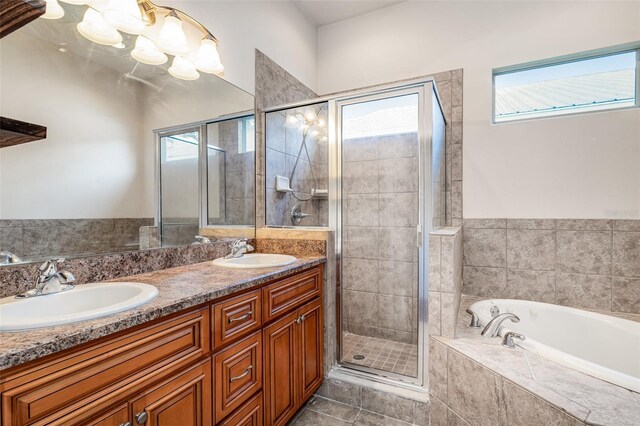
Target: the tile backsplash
pixel 584 263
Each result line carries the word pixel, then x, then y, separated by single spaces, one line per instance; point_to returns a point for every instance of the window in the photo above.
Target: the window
pixel 588 83
pixel 183 146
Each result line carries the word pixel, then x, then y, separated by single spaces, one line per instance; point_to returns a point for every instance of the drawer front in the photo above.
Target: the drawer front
pixel 238 374
pixel 236 317
pixel 105 370
pixel 290 293
pixel 249 414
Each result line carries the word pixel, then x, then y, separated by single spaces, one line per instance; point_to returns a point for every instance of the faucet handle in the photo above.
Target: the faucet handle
pixel 475 320
pixel 509 337
pixel 51 263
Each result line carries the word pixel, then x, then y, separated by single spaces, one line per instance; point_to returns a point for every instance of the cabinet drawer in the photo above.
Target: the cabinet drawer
pixel 236 317
pixel 283 296
pixel 249 414
pixel 104 370
pixel 238 374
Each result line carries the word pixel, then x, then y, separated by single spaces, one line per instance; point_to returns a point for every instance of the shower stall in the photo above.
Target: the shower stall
pixel 385 150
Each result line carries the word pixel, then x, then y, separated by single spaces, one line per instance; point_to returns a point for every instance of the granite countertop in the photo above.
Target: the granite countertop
pixel 591 400
pixel 179 288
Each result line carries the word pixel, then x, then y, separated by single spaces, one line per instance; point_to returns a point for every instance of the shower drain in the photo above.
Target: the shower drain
pixel 358 357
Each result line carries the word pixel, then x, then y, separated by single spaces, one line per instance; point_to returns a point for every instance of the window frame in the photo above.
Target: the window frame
pixel 561 60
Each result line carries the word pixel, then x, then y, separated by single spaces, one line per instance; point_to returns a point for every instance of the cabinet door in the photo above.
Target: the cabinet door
pixel 310 343
pixel 280 354
pixel 183 399
pixel 250 414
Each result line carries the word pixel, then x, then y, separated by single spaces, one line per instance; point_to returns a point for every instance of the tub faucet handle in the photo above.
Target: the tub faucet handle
pixel 475 320
pixel 509 337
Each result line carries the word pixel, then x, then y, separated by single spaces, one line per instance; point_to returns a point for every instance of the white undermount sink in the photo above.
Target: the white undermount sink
pixel 255 260
pixel 81 303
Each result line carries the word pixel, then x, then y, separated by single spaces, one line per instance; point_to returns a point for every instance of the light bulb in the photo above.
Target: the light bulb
pixel 124 15
pixel 172 39
pixel 147 52
pixel 94 28
pixel 321 122
pixel 53 10
pixel 76 2
pixel 183 69
pixel 208 59
pixel 310 116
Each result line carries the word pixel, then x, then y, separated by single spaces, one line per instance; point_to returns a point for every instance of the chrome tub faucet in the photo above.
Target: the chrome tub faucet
pixel 493 326
pixel 8 258
pixel 238 248
pixel 50 280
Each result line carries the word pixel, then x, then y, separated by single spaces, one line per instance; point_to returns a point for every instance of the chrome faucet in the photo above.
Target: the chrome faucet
pixel 201 239
pixel 50 280
pixel 493 326
pixel 510 337
pixel 7 258
pixel 238 248
pixel 297 215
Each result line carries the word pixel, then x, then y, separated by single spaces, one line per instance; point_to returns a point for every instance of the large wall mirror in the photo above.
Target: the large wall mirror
pixel 133 157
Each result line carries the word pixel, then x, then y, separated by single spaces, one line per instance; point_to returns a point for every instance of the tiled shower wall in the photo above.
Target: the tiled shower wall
pixel 380 214
pixel 283 145
pixel 44 238
pixel 591 264
pixel 445 280
pixel 239 177
pixel 274 86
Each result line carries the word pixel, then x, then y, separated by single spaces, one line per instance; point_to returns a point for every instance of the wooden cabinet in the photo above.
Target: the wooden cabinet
pixel 183 399
pixel 293 362
pixel 249 359
pixel 281 375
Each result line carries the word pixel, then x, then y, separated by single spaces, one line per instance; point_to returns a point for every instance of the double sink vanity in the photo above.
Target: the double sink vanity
pixel 233 341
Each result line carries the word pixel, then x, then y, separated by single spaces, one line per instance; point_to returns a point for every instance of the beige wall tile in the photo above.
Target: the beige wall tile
pixel 626 254
pixel 531 249
pixel 584 291
pixel 626 295
pixel 485 247
pixel 585 252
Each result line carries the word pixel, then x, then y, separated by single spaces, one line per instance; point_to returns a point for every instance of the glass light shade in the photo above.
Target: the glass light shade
pixel 208 59
pixel 94 28
pixel 53 10
pixel 76 2
pixel 172 39
pixel 120 45
pixel 147 52
pixel 183 69
pixel 124 15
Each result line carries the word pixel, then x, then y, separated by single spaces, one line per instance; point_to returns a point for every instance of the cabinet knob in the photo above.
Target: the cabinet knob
pixel 141 418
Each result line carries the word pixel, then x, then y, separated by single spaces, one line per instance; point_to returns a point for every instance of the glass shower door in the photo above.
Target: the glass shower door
pixel 380 233
pixel 179 186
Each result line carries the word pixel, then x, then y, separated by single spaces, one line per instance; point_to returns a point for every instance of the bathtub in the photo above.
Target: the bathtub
pixel 602 346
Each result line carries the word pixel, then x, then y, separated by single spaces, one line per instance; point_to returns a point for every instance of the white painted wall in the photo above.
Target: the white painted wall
pixel 585 166
pixel 275 27
pixel 92 163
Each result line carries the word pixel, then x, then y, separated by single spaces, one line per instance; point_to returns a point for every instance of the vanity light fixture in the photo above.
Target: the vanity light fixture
pixel 53 10
pixel 124 15
pixel 160 30
pixel 147 52
pixel 96 29
pixel 183 69
pixel 208 58
pixel 172 39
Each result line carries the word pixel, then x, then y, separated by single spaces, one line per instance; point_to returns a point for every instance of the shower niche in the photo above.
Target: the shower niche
pixel 296 171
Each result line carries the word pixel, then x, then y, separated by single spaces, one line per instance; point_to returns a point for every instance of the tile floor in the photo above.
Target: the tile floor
pixel 321 411
pixel 381 354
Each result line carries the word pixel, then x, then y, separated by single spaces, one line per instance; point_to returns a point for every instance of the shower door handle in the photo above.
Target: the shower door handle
pixel 419 236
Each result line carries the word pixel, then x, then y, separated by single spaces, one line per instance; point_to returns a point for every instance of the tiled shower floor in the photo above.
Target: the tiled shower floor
pixel 381 354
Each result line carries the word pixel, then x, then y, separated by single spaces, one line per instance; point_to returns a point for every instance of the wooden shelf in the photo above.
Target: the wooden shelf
pixel 17 13
pixel 15 132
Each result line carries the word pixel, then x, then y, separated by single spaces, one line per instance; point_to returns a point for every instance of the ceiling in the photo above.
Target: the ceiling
pixel 324 12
